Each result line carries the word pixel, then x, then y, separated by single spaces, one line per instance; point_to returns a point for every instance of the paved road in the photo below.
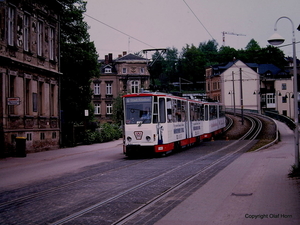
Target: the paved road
pixel 16 172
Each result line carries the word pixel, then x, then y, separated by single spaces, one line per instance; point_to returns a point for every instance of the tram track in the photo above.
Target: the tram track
pixel 60 187
pixel 206 162
pixel 250 135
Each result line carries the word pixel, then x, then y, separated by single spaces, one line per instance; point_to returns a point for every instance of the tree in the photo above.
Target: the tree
pixel 210 50
pixel 79 61
pixel 117 110
pixel 193 65
pixel 227 54
pixel 252 45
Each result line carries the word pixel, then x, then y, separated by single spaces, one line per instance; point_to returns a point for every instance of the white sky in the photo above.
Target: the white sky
pixel 170 23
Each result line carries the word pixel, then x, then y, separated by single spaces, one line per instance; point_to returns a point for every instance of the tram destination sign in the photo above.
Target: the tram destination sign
pixel 138 99
pixel 13 101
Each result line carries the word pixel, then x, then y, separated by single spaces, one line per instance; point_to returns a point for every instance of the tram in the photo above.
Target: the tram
pixel 160 122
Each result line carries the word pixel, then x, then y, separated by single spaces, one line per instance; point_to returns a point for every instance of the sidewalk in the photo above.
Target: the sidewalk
pixel 254 189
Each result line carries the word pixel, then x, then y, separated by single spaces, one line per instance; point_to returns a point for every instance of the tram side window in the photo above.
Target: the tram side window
pixel 221 111
pixel 174 110
pixel 178 111
pixel 162 110
pixel 201 108
pixel 183 111
pixel 169 110
pixel 198 112
pixel 206 112
pixel 192 112
pixel 213 112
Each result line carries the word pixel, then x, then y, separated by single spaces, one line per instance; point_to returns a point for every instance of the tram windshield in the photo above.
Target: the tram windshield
pixel 138 109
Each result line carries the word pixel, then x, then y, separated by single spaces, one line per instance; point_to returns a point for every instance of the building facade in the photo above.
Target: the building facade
pixel 126 74
pixel 262 87
pixel 29 74
pixel 223 83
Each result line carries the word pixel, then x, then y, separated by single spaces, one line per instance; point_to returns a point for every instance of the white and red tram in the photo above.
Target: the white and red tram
pixel 159 122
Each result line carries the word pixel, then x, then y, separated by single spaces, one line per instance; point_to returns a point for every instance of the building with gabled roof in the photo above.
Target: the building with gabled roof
pixel 264 87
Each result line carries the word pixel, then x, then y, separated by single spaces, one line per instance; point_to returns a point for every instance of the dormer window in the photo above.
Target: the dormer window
pixel 107 70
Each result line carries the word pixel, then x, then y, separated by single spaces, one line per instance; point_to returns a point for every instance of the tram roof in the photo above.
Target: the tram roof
pixel 144 94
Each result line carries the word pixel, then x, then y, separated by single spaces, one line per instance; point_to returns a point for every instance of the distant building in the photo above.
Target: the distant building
pixel 223 84
pixel 265 87
pixel 29 74
pixel 126 74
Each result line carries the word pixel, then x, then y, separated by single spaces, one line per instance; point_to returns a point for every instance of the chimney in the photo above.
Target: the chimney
pixel 119 56
pixel 124 53
pixel 106 59
pixel 110 56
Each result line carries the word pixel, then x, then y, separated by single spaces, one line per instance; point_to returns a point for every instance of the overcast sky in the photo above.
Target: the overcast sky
pixel 134 25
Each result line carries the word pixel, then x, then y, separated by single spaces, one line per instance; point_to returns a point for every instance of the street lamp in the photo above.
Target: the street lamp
pixel 276 39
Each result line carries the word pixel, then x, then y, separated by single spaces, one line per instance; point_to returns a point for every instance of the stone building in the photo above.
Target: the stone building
pixel 29 74
pixel 127 73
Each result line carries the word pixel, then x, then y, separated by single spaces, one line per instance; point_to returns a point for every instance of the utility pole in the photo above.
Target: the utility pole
pixel 242 104
pixel 233 93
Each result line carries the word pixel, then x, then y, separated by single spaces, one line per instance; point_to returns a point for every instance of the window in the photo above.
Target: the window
pixel 42 136
pixel 26 32
pixel 51 43
pixel 108 88
pixel 97 109
pixel 270 99
pixel 142 70
pixel 52 100
pixel 124 70
pixel 108 108
pixel 41 98
pixel 97 89
pixel 162 110
pixel 29 136
pixel 283 86
pixel 27 96
pixel 134 87
pixel 34 102
pixel 138 109
pixel 39 38
pixel 12 80
pixel 54 135
pixel 10 27
pixel 284 99
pixel 107 70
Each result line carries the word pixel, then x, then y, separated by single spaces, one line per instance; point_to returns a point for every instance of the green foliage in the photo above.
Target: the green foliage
pixel 79 62
pixel 106 132
pixel 117 110
pixel 191 63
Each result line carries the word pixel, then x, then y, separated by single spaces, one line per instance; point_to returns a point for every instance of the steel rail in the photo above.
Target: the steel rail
pixel 165 193
pixel 54 189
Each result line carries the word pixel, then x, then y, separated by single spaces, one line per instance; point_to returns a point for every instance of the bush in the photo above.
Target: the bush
pixel 107 132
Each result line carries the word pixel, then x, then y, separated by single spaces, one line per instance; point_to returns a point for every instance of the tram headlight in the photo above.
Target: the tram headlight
pixel 129 139
pixel 148 138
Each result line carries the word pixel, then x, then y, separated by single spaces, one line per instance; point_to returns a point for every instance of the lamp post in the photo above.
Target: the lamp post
pixel 276 39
